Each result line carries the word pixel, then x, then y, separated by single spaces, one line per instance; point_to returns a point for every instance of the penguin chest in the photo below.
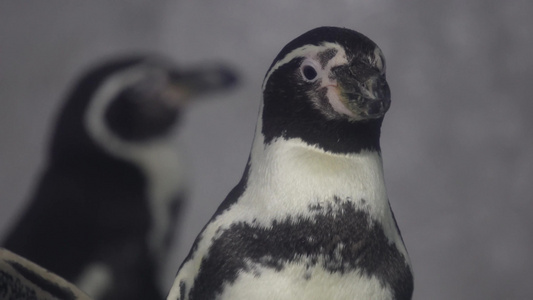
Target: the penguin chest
pixel 299 280
pixel 335 251
pixel 328 255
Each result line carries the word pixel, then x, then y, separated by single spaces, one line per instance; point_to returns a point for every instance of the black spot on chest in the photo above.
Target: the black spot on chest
pixel 336 236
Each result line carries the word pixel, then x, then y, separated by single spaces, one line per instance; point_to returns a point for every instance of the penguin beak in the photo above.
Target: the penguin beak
pixel 199 81
pixel 365 94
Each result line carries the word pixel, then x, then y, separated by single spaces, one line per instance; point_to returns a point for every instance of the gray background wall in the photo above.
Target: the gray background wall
pixel 457 142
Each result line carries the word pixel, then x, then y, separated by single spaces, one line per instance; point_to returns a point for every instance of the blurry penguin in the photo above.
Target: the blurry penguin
pixel 22 279
pixel 104 209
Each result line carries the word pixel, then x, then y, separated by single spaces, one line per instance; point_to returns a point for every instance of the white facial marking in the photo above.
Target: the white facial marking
pixel 309 51
pixel 379 60
pixel 158 158
pixel 311 55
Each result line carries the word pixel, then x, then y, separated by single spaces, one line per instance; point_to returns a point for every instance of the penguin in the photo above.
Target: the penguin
pixel 104 210
pixel 23 279
pixel 310 218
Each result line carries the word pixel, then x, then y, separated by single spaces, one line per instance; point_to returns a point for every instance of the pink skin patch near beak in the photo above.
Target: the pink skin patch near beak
pixel 335 100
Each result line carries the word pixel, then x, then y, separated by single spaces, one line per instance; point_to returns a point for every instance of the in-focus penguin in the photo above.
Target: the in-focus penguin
pixel 310 218
pixel 103 212
pixel 22 279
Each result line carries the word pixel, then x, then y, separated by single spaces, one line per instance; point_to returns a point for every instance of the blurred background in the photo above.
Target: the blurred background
pixel 457 142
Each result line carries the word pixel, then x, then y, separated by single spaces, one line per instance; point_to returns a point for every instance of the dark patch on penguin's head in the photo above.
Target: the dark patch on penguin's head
pixel 146 107
pixel 327 87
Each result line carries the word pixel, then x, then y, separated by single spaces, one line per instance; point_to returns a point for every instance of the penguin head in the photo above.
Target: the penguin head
pixel 135 99
pixel 143 101
pixel 322 85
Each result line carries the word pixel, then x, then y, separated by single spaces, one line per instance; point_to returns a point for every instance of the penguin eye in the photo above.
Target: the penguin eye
pixel 309 70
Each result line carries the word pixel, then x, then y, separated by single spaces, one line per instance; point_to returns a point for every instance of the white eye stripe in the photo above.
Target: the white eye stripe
pixel 307 51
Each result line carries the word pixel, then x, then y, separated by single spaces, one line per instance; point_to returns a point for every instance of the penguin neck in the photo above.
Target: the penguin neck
pixel 288 176
pixel 292 116
pixel 160 163
pixel 156 157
